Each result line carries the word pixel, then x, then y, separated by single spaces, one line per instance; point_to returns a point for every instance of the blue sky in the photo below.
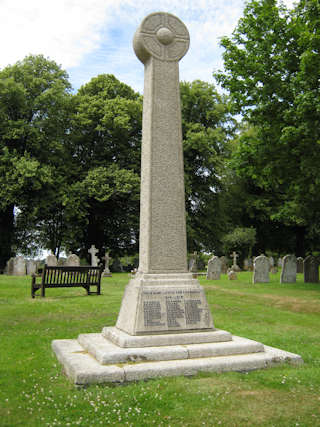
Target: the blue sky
pixel 91 37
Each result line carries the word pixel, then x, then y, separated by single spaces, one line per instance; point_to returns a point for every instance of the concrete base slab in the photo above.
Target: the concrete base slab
pixel 105 352
pixel 93 359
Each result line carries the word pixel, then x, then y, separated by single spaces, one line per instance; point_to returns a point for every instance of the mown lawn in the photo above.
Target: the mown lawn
pixel 34 392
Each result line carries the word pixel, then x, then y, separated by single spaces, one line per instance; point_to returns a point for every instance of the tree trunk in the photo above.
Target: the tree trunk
pixel 6 234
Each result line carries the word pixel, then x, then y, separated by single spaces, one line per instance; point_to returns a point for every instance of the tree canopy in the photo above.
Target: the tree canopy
pixel 272 74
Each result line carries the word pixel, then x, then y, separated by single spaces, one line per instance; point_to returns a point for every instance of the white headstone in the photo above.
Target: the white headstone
pixel 261 267
pixel 94 259
pixel 289 269
pixel 214 268
pixel 32 266
pixel 72 261
pixel 224 264
pixel 106 271
pixel 19 266
pixel 51 260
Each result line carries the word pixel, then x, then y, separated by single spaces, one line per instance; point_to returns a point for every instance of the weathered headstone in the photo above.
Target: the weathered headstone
pixel 9 267
pixel 261 269
pixel 19 266
pixel 224 264
pixel 232 275
pixel 164 311
pixel 94 259
pixel 311 269
pixel 32 267
pixel 72 261
pixel 246 264
pixel 289 269
pixel 214 268
pixel 299 265
pixel 280 262
pixel 193 268
pixel 51 260
pixel 106 271
pixel 271 262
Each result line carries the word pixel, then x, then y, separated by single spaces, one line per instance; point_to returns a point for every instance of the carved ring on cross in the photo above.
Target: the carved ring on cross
pixel 162 36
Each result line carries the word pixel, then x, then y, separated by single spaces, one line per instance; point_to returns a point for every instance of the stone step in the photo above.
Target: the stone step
pixel 84 369
pixel 122 339
pixel 106 353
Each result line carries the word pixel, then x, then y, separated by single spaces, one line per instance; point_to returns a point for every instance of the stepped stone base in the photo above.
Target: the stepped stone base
pixel 95 358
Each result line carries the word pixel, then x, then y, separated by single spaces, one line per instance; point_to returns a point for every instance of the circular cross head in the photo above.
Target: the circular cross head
pixel 162 36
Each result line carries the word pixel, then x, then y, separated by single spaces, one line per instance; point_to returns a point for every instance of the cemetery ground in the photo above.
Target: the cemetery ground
pixel 34 392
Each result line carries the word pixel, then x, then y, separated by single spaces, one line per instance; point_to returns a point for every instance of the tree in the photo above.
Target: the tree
pixel 106 143
pixel 272 70
pixel 206 127
pixel 34 106
pixel 241 240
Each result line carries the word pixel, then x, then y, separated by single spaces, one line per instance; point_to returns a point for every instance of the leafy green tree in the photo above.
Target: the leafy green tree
pixel 34 108
pixel 241 240
pixel 106 146
pixel 271 71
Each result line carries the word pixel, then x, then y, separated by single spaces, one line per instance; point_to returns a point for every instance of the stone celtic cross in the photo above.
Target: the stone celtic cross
pixel 163 296
pixel 94 259
pixel 160 42
pixel 234 256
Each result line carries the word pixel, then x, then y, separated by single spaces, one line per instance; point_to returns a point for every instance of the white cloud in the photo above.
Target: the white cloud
pixel 64 30
pixel 89 37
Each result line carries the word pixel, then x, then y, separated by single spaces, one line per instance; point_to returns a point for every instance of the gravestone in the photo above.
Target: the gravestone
pixel 164 311
pixel 271 262
pixel 62 261
pixel 311 269
pixel 280 262
pixel 9 267
pixel 289 269
pixel 193 268
pixel 72 261
pixel 214 268
pixel 106 271
pixel 232 275
pixel 261 267
pixel 19 266
pixel 224 264
pixel 299 265
pixel 51 260
pixel 94 259
pixel 246 264
pixel 32 267
pixel 234 257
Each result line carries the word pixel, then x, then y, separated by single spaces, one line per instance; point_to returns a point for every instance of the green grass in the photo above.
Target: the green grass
pixel 34 392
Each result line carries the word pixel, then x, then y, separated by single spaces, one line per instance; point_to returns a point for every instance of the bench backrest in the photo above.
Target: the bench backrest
pixel 70 276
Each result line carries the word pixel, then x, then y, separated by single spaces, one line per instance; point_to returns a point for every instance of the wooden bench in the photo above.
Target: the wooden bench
pixel 67 277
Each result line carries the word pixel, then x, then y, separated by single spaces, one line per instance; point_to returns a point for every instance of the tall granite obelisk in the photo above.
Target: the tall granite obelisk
pixel 163 297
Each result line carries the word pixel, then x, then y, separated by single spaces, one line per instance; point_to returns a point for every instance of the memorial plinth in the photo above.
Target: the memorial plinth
pixel 164 323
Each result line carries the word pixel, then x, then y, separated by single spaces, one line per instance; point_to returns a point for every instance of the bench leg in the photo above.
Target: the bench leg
pixel 43 291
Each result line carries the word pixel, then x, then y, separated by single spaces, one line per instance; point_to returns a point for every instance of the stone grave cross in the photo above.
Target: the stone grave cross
pixel 94 259
pixel 234 256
